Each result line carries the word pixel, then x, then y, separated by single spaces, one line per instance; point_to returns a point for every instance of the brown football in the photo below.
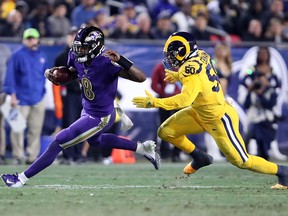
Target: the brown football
pixel 62 75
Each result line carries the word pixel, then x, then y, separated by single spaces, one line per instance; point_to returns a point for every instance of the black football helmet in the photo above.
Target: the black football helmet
pixel 88 43
pixel 178 47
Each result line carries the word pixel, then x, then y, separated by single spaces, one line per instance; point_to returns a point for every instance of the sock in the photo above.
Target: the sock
pixel 140 148
pixel 281 170
pixel 114 141
pixel 22 177
pixel 200 159
pixel 45 160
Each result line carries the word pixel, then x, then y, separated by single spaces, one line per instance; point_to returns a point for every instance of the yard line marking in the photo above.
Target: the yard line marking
pixel 101 187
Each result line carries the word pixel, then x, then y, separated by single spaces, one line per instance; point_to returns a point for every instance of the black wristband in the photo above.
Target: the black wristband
pixel 125 63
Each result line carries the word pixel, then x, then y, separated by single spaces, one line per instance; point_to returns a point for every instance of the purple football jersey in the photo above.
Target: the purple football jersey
pixel 99 81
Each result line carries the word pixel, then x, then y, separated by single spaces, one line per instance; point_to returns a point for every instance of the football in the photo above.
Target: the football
pixel 62 75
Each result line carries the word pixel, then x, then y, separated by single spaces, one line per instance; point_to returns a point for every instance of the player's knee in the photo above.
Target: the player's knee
pixel 55 146
pixel 165 133
pixel 242 164
pixel 96 140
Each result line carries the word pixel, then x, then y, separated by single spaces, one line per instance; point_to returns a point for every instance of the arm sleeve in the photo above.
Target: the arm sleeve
pixel 191 88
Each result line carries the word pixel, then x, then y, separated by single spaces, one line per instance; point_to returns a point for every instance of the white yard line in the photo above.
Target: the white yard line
pixel 101 187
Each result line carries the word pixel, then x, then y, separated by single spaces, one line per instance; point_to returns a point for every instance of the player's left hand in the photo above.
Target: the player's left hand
pixel 144 102
pixel 171 76
pixel 112 55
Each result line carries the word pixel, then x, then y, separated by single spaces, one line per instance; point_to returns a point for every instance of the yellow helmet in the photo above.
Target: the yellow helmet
pixel 177 48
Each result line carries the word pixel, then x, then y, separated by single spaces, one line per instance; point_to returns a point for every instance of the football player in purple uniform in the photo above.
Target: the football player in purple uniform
pixel 97 72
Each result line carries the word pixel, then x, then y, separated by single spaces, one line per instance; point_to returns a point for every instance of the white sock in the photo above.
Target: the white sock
pixel 22 177
pixel 139 148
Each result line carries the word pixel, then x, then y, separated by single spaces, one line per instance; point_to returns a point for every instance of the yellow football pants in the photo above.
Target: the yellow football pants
pixel 225 132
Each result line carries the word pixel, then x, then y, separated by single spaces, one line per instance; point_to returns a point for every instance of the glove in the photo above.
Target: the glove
pixel 49 75
pixel 171 76
pixel 144 102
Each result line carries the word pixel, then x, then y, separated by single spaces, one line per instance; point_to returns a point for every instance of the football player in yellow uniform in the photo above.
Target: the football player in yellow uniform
pixel 203 109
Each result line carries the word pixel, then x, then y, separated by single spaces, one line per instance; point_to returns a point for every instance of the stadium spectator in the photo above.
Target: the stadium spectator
pixel 102 21
pixel 5 55
pixel 223 64
pixel 123 29
pixel 59 24
pixel 203 109
pixel 258 94
pixel 164 90
pixel 285 28
pixel 164 26
pixel 129 11
pixel 25 82
pixel 13 27
pixel 144 25
pixel 99 77
pixel 183 18
pixel 70 5
pixel 23 8
pixel 68 105
pixel 273 32
pixel 254 12
pixel 84 12
pixel 199 7
pixel 6 7
pixel 199 30
pixel 38 18
pixel 162 6
pixel 276 10
pixel 254 32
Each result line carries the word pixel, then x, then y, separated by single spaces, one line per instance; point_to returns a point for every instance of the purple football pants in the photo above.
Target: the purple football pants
pixel 85 128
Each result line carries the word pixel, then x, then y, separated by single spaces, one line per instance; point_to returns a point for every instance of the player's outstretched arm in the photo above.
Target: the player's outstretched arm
pixel 129 71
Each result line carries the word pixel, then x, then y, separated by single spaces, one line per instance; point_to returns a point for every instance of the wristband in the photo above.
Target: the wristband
pixel 125 63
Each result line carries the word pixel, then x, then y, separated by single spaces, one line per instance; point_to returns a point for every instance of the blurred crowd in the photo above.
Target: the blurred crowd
pixel 209 20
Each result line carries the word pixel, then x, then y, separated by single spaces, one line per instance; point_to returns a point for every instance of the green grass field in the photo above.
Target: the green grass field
pixel 138 189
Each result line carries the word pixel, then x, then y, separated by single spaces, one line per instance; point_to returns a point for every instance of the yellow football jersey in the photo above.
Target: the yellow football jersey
pixel 201 89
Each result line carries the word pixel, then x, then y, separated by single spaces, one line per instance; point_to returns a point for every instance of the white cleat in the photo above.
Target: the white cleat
pixel 148 150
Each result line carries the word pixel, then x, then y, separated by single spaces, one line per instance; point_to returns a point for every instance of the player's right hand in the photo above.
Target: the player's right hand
pixel 50 76
pixel 144 102
pixel 171 76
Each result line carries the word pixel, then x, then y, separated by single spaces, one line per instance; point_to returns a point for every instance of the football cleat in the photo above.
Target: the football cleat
pixel 279 187
pixel 148 150
pixel 12 180
pixel 200 160
pixel 188 169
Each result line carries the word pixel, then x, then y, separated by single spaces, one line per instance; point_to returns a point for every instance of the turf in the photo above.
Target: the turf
pixel 137 189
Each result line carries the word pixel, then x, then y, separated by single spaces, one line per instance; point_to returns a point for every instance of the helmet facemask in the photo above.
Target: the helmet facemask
pixel 170 61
